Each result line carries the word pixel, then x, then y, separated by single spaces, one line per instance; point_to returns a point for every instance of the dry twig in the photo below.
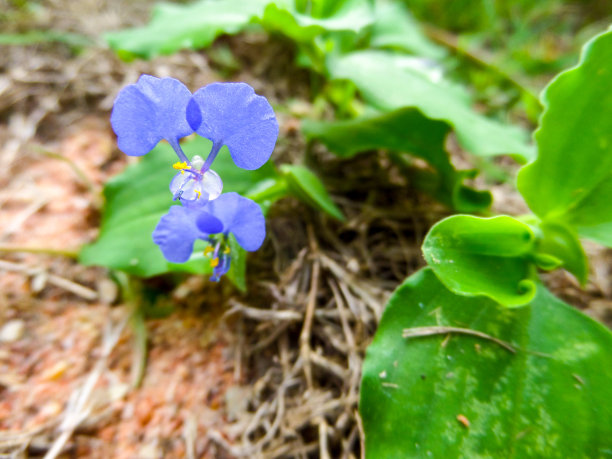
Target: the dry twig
pixel 429 331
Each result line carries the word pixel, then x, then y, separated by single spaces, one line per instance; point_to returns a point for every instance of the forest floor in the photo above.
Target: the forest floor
pixel 271 373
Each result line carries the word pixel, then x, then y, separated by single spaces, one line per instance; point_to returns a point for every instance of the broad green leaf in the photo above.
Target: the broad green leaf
pixel 191 26
pixel 307 187
pixel 447 393
pixel 404 130
pixel 389 82
pixel 349 15
pixel 394 27
pixel 483 256
pixel 571 180
pixel 137 199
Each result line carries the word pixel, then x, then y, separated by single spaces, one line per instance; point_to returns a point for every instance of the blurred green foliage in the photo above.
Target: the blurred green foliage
pixel 533 37
pixel 522 41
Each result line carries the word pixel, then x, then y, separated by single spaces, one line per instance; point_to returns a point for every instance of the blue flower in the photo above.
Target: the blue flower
pixel 226 113
pixel 178 230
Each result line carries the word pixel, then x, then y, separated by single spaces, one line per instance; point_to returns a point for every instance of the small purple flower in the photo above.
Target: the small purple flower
pixel 226 113
pixel 178 230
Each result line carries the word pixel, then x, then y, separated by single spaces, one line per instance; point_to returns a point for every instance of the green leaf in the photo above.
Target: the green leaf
pixel 571 180
pixel 404 130
pixel 483 256
pixel 551 398
pixel 237 271
pixel 390 81
pixel 137 199
pixel 307 187
pixel 394 27
pixel 283 17
pixel 191 26
pixel 560 241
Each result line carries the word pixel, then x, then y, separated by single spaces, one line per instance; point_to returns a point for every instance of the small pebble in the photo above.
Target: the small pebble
pixel 12 331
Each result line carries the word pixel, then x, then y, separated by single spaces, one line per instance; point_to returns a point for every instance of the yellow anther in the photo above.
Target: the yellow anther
pixel 208 250
pixel 198 192
pixel 180 166
pixel 214 262
pixel 183 172
pixel 227 249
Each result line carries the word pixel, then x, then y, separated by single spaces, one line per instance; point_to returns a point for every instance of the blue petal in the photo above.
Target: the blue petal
pixel 209 224
pixel 233 115
pixel 148 111
pixel 176 233
pixel 194 114
pixel 239 216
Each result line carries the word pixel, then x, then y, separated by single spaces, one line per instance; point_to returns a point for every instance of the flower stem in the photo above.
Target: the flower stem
pixel 176 146
pixel 214 151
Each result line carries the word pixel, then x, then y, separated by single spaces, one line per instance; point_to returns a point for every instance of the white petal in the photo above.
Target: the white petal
pixel 211 184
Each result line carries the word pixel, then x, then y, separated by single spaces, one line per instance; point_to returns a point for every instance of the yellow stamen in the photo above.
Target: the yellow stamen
pixel 198 192
pixel 214 262
pixel 208 250
pixel 180 166
pixel 227 249
pixel 183 172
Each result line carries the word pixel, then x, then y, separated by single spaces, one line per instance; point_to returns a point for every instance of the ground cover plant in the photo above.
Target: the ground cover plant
pixel 514 363
pixel 284 212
